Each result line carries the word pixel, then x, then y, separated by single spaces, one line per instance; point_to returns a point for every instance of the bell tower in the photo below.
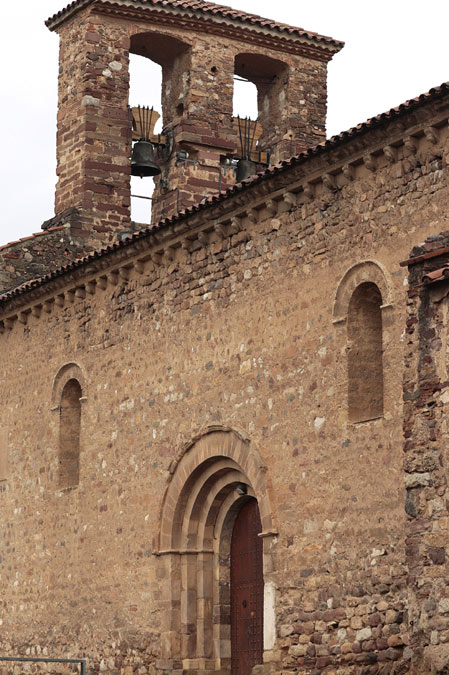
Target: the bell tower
pixel 201 47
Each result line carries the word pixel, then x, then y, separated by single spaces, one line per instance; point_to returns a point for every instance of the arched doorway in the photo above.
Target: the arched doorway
pixel 218 488
pixel 247 590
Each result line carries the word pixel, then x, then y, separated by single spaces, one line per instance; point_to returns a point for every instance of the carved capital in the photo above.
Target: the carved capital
pixel 290 198
pixel 348 172
pixel 220 229
pixel 390 154
pixel 236 225
pixel 329 182
pixel 186 244
pixel 203 238
pixel 431 134
pixel 369 161
pixel 253 215
pixel 410 145
pixel 156 258
pixel 169 254
pixel 124 273
pixel 309 190
pixel 271 207
pixel 80 293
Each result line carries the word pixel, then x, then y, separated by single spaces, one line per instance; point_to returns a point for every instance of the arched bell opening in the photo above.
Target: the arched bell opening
pixel 201 506
pixel 270 76
pixel 173 56
pixel 159 66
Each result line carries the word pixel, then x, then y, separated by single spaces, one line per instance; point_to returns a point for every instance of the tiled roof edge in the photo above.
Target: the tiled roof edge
pixel 210 201
pixel 209 8
pixel 35 235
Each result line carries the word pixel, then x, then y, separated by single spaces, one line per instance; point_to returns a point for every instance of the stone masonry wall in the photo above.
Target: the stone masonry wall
pixel 33 257
pixel 41 253
pixel 94 132
pixel 425 459
pixel 235 330
pixel 28 258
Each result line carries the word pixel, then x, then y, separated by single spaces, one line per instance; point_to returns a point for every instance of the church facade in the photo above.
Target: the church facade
pixel 222 437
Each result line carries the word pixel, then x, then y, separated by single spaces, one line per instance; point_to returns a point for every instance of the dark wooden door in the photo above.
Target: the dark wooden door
pixel 246 591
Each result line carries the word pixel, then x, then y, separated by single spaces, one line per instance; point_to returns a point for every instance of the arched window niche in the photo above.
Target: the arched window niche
pixel 67 399
pixel 69 435
pixel 361 313
pixel 365 363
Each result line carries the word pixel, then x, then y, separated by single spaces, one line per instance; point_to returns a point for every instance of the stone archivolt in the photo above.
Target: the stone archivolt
pixel 362 272
pixel 69 371
pixel 198 511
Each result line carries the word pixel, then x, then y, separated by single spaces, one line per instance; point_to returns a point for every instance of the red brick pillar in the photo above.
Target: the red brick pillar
pixel 93 138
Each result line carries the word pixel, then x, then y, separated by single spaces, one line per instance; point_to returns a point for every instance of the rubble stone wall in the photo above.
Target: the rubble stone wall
pixel 34 256
pixel 242 330
pixel 425 460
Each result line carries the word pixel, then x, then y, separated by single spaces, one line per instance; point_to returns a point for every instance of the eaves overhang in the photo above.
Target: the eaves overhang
pixel 206 13
pixel 261 179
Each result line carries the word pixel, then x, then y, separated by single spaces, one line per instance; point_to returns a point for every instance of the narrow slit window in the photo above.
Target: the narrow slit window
pixel 3 454
pixel 365 367
pixel 69 434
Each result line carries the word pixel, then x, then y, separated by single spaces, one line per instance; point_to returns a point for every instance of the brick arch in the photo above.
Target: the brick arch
pixel 69 371
pixel 199 508
pixel 364 271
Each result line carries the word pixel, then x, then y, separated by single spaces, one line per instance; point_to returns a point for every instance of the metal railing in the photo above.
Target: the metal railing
pixel 37 659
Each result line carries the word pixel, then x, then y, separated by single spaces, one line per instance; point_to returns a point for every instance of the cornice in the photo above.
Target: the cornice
pixel 277 38
pixel 326 170
pixel 187 20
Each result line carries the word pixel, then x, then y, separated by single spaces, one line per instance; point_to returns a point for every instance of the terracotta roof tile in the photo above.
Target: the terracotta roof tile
pixel 31 236
pixel 207 8
pixel 333 142
pixel 436 275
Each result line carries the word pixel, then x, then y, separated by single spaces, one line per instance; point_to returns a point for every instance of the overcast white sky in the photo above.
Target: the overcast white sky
pixel 395 50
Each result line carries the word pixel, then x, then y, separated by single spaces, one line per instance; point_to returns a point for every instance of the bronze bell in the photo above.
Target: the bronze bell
pixel 245 169
pixel 143 163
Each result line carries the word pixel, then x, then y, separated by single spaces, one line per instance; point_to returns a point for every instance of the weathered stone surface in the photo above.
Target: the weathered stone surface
pixel 230 347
